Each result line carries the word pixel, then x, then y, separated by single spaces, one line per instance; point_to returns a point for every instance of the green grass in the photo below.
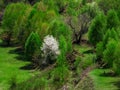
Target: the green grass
pixel 82 48
pixel 10 67
pixel 104 82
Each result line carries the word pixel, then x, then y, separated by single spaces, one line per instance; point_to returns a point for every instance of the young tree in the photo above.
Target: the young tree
pixel 116 63
pixel 110 34
pixel 112 20
pixel 61 71
pixel 32 46
pixel 108 54
pixel 96 29
pixel 11 14
pixel 50 49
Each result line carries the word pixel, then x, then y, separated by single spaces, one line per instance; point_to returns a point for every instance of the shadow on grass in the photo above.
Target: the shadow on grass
pixel 117 84
pixel 20 56
pixel 4 45
pixel 108 74
pixel 28 67
pixel 91 51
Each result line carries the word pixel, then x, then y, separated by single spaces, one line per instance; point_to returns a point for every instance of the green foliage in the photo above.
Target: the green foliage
pixel 84 2
pixel 103 81
pixel 112 19
pixel 87 61
pixel 96 30
pixel 21 31
pixel 32 46
pixel 108 54
pixel 12 13
pixel 72 8
pixel 61 72
pixel 116 63
pixel 110 34
pixel 106 5
pixel 62 32
pixel 35 83
pixel 99 50
pixel 77 65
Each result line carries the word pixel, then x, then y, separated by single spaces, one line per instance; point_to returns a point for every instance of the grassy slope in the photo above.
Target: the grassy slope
pixel 10 67
pixel 104 82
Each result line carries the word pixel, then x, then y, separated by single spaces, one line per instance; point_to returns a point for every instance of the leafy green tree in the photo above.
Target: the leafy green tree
pixel 96 30
pixel 32 46
pixel 84 2
pixel 116 63
pixel 61 71
pixel 11 14
pixel 108 54
pixel 99 50
pixel 110 34
pixel 20 29
pixel 106 5
pixel 112 19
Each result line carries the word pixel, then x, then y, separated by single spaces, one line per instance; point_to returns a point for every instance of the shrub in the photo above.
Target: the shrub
pixel 99 50
pixel 11 14
pixel 58 28
pixel 96 30
pixel 116 62
pixel 77 65
pixel 61 72
pixel 20 32
pixel 108 54
pixel 110 34
pixel 32 46
pixel 87 61
pixel 112 19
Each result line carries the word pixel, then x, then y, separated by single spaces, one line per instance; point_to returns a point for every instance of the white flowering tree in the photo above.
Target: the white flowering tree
pixel 50 48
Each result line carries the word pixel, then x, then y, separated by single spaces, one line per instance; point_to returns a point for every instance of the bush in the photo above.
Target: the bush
pixel 108 54
pixel 61 73
pixel 87 61
pixel 96 29
pixel 112 19
pixel 21 31
pixel 110 34
pixel 99 50
pixel 11 14
pixel 32 46
pixel 116 62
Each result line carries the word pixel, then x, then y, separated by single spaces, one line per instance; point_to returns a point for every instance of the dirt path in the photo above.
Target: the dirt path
pixel 85 80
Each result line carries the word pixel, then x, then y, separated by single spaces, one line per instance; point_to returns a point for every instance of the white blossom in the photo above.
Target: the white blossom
pixel 50 46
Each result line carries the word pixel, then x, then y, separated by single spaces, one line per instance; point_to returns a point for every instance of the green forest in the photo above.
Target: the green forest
pixel 59 45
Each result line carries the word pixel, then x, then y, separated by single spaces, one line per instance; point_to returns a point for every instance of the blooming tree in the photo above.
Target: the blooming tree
pixel 50 49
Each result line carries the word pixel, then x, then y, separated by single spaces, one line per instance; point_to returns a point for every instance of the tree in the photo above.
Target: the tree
pixel 99 50
pixel 32 46
pixel 112 19
pixel 110 34
pixel 61 71
pixel 116 63
pixel 50 48
pixel 108 54
pixel 79 26
pixel 106 5
pixel 96 29
pixel 11 14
